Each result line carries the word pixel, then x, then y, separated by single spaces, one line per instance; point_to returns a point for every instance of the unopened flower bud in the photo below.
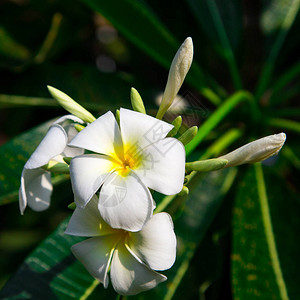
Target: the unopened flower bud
pixel 177 124
pixel 256 151
pixel 136 101
pixel 178 70
pixel 188 135
pixel 71 106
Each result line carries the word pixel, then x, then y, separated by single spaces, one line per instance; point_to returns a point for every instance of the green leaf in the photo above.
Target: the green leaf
pixel 265 222
pixel 52 272
pixel 14 155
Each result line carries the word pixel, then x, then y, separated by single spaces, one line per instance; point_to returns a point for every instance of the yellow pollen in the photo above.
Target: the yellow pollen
pixel 130 161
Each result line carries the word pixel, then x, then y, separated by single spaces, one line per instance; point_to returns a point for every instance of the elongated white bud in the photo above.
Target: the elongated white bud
pixel 256 151
pixel 178 70
pixel 71 106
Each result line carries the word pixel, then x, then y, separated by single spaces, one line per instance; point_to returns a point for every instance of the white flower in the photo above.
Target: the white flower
pixel 131 256
pixel 36 187
pixel 130 159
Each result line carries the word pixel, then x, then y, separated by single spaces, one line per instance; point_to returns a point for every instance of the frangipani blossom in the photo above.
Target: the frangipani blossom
pixel 129 160
pixel 36 188
pixel 131 257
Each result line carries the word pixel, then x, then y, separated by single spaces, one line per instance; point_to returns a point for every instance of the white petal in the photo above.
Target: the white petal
pixel 71 151
pixel 68 117
pixel 155 244
pixel 35 189
pixel 140 130
pixel 52 144
pixel 87 174
pixel 125 202
pixel 162 166
pixel 95 254
pixel 88 222
pixel 129 275
pixel 101 136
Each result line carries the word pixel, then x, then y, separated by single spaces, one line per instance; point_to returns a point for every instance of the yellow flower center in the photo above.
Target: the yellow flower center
pixel 131 160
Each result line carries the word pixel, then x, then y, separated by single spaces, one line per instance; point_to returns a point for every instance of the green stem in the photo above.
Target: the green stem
pixel 218 115
pixel 263 200
pixel 225 43
pixel 284 124
pixel 270 61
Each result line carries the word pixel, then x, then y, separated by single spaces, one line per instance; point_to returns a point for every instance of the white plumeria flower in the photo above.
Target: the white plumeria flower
pixel 36 188
pixel 130 159
pixel 131 256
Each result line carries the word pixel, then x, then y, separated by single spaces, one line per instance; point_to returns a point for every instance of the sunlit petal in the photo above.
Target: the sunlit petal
pixel 155 244
pixel 88 222
pixel 95 254
pixel 102 136
pixel 129 275
pixel 140 130
pixel 52 144
pixel 68 117
pixel 162 167
pixel 87 174
pixel 125 202
pixel 35 190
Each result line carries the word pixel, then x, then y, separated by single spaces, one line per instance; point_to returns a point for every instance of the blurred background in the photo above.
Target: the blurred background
pixel 95 51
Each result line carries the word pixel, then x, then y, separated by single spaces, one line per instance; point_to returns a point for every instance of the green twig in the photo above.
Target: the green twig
pixel 263 200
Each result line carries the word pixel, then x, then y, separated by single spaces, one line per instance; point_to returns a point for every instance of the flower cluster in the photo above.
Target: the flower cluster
pixel 115 163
